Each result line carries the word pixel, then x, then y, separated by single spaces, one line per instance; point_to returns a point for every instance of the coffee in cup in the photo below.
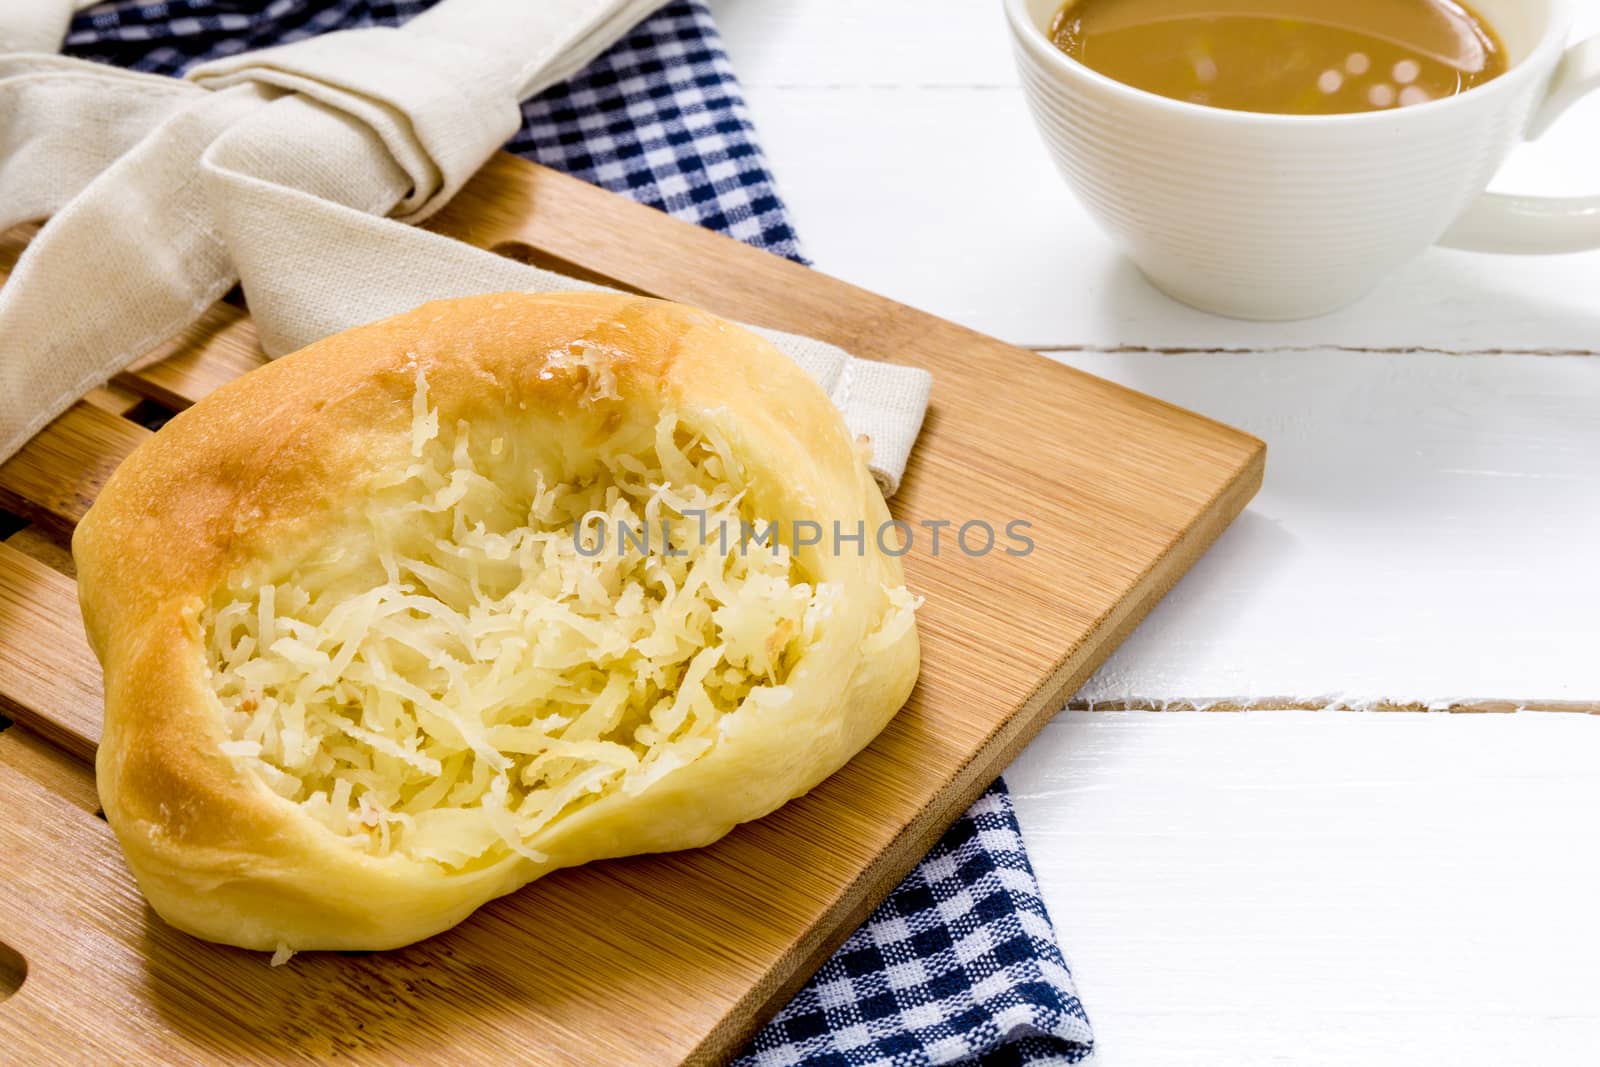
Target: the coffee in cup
pixel 1287 57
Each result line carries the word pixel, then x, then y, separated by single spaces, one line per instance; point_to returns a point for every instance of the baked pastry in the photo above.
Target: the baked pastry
pixel 373 655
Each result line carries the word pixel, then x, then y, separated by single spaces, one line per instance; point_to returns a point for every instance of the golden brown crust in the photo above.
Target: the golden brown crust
pixel 262 464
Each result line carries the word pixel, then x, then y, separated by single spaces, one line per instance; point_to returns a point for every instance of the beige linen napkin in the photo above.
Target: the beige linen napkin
pixel 294 170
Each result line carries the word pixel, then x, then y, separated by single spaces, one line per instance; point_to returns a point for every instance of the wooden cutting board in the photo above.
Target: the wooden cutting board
pixel 650 960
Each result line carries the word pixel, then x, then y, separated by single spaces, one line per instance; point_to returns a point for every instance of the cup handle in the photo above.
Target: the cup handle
pixel 1497 222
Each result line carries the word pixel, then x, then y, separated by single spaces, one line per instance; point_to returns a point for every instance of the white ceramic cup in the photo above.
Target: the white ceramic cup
pixel 1288 216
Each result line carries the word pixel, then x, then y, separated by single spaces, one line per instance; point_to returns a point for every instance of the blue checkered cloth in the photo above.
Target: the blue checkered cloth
pixel 960 964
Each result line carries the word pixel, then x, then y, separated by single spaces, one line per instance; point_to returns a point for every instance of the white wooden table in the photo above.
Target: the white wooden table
pixel 1308 880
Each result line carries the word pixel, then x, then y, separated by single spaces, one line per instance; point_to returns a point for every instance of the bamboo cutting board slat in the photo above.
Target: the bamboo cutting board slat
pixel 48 677
pixel 654 959
pixel 56 475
